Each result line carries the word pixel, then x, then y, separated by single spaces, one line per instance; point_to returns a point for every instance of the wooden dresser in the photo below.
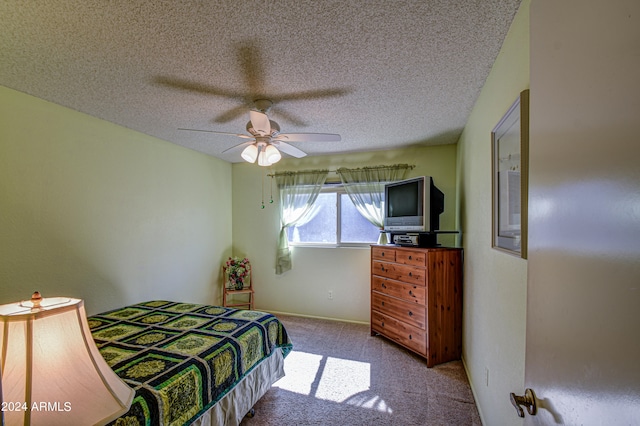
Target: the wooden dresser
pixel 416 299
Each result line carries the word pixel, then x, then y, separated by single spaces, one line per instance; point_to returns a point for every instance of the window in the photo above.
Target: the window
pixel 334 221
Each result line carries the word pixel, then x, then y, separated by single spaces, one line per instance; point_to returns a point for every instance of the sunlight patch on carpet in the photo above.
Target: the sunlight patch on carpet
pixel 343 379
pixel 331 379
pixel 300 370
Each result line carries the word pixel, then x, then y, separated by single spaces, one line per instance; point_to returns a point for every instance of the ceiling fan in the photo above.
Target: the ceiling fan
pixel 266 139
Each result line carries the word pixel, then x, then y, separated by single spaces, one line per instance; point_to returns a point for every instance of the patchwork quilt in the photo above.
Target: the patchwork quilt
pixel 181 358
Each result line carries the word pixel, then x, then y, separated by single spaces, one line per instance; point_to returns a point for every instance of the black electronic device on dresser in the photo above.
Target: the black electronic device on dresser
pixel 415 239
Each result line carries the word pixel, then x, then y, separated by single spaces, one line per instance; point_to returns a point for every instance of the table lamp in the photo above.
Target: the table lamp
pixel 51 372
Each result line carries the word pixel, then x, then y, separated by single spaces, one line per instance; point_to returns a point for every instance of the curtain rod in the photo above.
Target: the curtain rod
pixel 407 166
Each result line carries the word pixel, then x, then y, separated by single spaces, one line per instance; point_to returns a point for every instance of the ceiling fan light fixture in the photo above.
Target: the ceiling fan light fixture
pixel 250 153
pixel 272 154
pixel 262 159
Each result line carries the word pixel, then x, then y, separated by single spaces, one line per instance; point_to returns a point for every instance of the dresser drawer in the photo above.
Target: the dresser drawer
pixel 410 292
pixel 408 257
pixel 405 273
pixel 404 334
pixel 383 253
pixel 404 311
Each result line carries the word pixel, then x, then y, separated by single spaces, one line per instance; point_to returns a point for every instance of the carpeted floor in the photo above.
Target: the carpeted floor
pixel 338 374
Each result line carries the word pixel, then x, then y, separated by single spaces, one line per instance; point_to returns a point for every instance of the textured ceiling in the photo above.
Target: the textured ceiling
pixel 381 73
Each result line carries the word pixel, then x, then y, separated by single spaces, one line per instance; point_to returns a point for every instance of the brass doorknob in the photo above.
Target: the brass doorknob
pixel 528 401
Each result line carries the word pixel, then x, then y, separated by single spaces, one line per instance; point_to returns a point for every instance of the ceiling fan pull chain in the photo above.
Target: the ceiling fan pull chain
pixel 271 188
pixel 262 188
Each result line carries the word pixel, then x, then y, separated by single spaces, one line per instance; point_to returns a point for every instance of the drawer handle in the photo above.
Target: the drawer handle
pixel 382 268
pixel 410 293
pixel 383 285
pixel 410 313
pixel 410 337
pixel 410 257
pixel 411 274
pixel 382 303
pixel 382 254
pixel 382 323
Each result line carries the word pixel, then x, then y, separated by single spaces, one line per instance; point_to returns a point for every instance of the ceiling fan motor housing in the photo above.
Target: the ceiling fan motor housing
pixel 263 105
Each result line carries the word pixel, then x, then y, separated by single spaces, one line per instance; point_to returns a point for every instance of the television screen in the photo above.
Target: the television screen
pixel 404 200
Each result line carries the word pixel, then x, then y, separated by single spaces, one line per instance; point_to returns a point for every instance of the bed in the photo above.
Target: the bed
pixel 191 364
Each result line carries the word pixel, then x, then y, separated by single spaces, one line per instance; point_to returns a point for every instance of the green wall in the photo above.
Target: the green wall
pixel 92 210
pixel 316 271
pixel 495 283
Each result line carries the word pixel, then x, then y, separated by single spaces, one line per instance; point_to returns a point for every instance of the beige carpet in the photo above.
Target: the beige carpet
pixel 338 374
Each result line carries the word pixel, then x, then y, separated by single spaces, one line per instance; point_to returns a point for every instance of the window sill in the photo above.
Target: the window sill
pixel 329 245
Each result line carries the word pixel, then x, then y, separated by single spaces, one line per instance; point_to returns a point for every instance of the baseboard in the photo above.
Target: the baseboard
pixel 473 390
pixel 313 317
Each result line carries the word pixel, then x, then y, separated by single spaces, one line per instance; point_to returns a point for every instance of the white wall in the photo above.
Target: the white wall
pixel 344 271
pixel 98 212
pixel 494 311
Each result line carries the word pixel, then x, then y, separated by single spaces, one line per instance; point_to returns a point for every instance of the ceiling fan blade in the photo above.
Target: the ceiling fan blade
pixel 260 122
pixel 240 135
pixel 232 114
pixel 237 148
pixel 289 149
pixel 291 118
pixel 308 137
pixel 251 64
pixel 191 86
pixel 310 94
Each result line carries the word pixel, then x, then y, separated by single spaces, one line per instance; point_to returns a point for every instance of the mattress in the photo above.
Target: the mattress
pixel 182 359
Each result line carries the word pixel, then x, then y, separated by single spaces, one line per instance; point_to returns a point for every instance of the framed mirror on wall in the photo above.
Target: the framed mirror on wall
pixel 510 173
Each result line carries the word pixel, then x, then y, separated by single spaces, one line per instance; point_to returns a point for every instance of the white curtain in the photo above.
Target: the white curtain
pixel 365 187
pixel 298 192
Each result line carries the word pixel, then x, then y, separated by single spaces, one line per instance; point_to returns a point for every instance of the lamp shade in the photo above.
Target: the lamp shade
pixel 51 370
pixel 272 153
pixel 262 159
pixel 250 153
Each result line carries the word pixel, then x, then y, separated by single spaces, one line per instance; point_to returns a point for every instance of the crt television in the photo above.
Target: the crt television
pixel 413 205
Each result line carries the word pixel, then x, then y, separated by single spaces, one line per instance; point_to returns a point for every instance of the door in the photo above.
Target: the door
pixel 583 297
